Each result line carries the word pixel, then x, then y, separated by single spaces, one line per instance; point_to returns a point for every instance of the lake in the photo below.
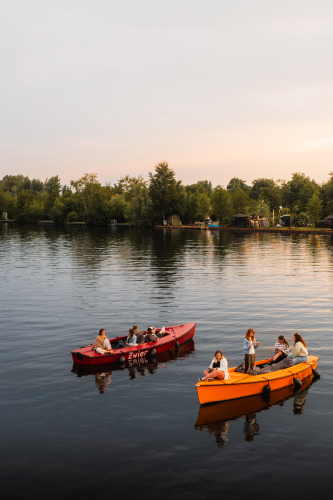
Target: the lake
pixel 139 432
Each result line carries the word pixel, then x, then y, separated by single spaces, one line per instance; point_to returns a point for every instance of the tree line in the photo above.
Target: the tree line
pixel 147 202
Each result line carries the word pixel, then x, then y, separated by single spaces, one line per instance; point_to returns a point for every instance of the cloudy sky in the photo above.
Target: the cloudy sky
pixel 218 88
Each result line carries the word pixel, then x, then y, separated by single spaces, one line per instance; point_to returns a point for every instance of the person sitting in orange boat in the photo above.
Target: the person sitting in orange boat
pixel 102 343
pixel 249 345
pixel 218 369
pixel 300 353
pixel 281 350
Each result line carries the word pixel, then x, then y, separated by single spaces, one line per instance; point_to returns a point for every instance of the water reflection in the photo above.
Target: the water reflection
pixel 140 366
pixel 215 419
pixel 102 380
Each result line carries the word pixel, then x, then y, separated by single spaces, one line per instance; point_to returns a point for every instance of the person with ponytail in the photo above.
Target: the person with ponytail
pixel 249 345
pixel 300 353
pixel 281 350
pixel 218 369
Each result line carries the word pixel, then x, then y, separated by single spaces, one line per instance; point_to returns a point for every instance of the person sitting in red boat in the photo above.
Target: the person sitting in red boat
pixel 102 343
pixel 130 341
pixel 218 369
pixel 151 335
pixel 140 338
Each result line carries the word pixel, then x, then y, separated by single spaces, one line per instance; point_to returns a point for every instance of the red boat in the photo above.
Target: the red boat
pixel 174 336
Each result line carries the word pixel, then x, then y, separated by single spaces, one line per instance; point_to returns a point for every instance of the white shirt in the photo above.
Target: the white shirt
pixel 252 351
pixel 223 367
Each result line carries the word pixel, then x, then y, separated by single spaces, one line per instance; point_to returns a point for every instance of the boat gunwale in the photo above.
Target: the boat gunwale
pixel 263 379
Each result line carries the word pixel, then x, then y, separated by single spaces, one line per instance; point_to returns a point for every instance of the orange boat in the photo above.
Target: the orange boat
pixel 241 385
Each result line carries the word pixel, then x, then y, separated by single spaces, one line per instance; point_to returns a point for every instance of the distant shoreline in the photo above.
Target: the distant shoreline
pixel 286 230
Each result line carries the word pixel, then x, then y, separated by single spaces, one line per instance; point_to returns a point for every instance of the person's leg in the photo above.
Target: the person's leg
pixel 206 373
pixel 277 357
pixel 290 355
pixel 300 359
pixel 252 360
pixel 100 350
pixel 246 361
pixel 120 344
pixel 107 345
pixel 219 375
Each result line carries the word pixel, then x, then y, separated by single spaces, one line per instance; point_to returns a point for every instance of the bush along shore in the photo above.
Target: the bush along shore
pixel 141 202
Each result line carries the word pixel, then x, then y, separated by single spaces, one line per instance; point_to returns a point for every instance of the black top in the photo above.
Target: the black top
pixel 216 365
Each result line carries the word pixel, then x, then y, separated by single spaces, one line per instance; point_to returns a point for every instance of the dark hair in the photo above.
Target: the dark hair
pixel 135 327
pixel 281 337
pixel 101 331
pixel 130 333
pixel 149 329
pixel 299 338
pixel 248 333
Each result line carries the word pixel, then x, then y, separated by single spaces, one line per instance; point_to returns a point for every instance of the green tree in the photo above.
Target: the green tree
pixel 208 187
pixel 240 201
pixel 198 203
pixel 24 201
pixel 168 195
pixel 327 196
pixel 36 211
pixel 7 204
pixel 93 197
pixel 140 210
pixel 58 211
pixel 299 191
pixel 37 186
pixel 236 183
pixel 14 183
pixel 73 217
pixel 116 207
pixel 314 208
pixel 53 184
pixel 262 209
pixel 129 186
pixel 221 205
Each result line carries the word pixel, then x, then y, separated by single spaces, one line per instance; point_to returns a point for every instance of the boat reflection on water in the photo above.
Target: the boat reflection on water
pixel 139 366
pixel 215 419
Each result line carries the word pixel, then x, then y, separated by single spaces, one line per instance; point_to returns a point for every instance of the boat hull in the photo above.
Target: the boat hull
pixel 236 408
pixel 174 334
pixel 241 385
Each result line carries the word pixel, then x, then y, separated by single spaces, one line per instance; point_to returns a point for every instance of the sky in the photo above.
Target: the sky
pixel 217 88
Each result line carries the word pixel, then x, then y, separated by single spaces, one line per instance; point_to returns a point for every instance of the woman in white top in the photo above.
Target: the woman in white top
pixel 300 352
pixel 218 369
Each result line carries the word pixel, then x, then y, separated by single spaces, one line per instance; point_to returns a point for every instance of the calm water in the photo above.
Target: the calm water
pixel 139 432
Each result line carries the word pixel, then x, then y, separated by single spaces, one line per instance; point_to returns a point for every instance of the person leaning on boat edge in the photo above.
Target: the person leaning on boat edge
pixel 217 369
pixel 300 353
pixel 102 343
pixel 249 345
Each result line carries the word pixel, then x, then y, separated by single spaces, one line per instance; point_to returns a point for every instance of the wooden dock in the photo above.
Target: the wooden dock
pixel 76 223
pixel 286 231
pixel 190 226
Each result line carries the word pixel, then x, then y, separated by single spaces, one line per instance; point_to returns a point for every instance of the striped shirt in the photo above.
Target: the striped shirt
pixel 282 347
